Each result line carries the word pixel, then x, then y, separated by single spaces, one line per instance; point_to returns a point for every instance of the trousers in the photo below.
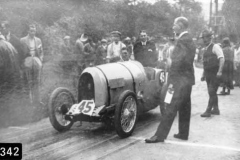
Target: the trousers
pixel 212 86
pixel 181 103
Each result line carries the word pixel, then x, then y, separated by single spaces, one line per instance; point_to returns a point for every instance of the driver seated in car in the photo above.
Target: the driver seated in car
pixel 125 55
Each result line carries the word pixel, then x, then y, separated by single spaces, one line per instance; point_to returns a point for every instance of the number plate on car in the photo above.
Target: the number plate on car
pixel 85 107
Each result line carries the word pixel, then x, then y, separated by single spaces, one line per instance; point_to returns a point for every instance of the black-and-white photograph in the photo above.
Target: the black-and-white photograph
pixel 120 79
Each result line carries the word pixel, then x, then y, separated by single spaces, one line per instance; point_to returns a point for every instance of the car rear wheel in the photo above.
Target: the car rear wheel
pixel 59 104
pixel 126 114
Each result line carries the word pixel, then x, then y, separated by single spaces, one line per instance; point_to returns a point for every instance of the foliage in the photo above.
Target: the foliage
pixel 191 10
pixel 231 12
pixel 58 18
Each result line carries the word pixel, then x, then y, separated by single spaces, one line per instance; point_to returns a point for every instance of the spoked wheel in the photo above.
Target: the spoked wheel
pixel 126 114
pixel 59 104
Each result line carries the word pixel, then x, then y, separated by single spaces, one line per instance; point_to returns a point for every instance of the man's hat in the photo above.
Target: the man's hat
pixel 206 33
pixel 124 48
pixel 171 39
pixel 226 41
pixel 2 36
pixel 116 33
pixel 66 37
pixel 127 39
pixel 103 41
pixel 83 38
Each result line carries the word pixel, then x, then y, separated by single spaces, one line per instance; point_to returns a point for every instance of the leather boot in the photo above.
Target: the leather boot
pixel 215 110
pixel 228 92
pixel 207 113
pixel 223 91
pixel 179 136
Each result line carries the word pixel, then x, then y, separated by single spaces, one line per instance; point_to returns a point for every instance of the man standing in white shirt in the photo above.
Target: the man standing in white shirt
pixel 114 48
pixel 213 61
pixel 33 63
pixel 33 43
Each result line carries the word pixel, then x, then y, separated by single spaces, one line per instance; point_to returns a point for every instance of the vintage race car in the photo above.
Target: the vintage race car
pixel 114 93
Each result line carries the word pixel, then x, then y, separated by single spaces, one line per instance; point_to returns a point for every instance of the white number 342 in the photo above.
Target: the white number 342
pixel 10 151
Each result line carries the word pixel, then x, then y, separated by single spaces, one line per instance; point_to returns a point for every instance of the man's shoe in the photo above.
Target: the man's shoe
pixel 154 139
pixel 215 112
pixel 206 114
pixel 228 92
pixel 179 136
pixel 222 93
pixel 236 84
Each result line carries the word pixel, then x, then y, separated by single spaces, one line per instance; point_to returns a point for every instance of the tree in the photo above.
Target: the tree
pixel 231 12
pixel 191 9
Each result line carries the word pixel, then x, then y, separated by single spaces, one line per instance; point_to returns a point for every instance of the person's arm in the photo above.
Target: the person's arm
pixel 154 55
pixel 154 50
pixel 40 50
pixel 196 55
pixel 87 49
pixel 132 53
pixel 122 45
pixel 218 51
pixel 203 76
pixel 164 52
pixel 136 51
pixel 99 51
pixel 237 54
pixel 108 53
pixel 80 48
pixel 221 64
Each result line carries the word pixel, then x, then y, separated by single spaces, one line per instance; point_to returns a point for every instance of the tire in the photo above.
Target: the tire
pixel 131 117
pixel 60 105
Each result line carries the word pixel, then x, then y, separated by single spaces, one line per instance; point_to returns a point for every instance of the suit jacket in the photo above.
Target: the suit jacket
pixel 38 44
pixel 182 58
pixel 101 54
pixel 90 50
pixel 15 41
pixel 79 47
pixel 146 55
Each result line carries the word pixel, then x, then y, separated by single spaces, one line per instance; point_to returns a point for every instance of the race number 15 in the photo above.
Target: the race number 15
pixel 10 151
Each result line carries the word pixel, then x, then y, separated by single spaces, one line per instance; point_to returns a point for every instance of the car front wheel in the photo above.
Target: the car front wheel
pixel 59 104
pixel 126 114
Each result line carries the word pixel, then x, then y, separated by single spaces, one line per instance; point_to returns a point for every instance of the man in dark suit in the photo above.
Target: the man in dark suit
pixel 145 51
pixel 180 81
pixel 101 52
